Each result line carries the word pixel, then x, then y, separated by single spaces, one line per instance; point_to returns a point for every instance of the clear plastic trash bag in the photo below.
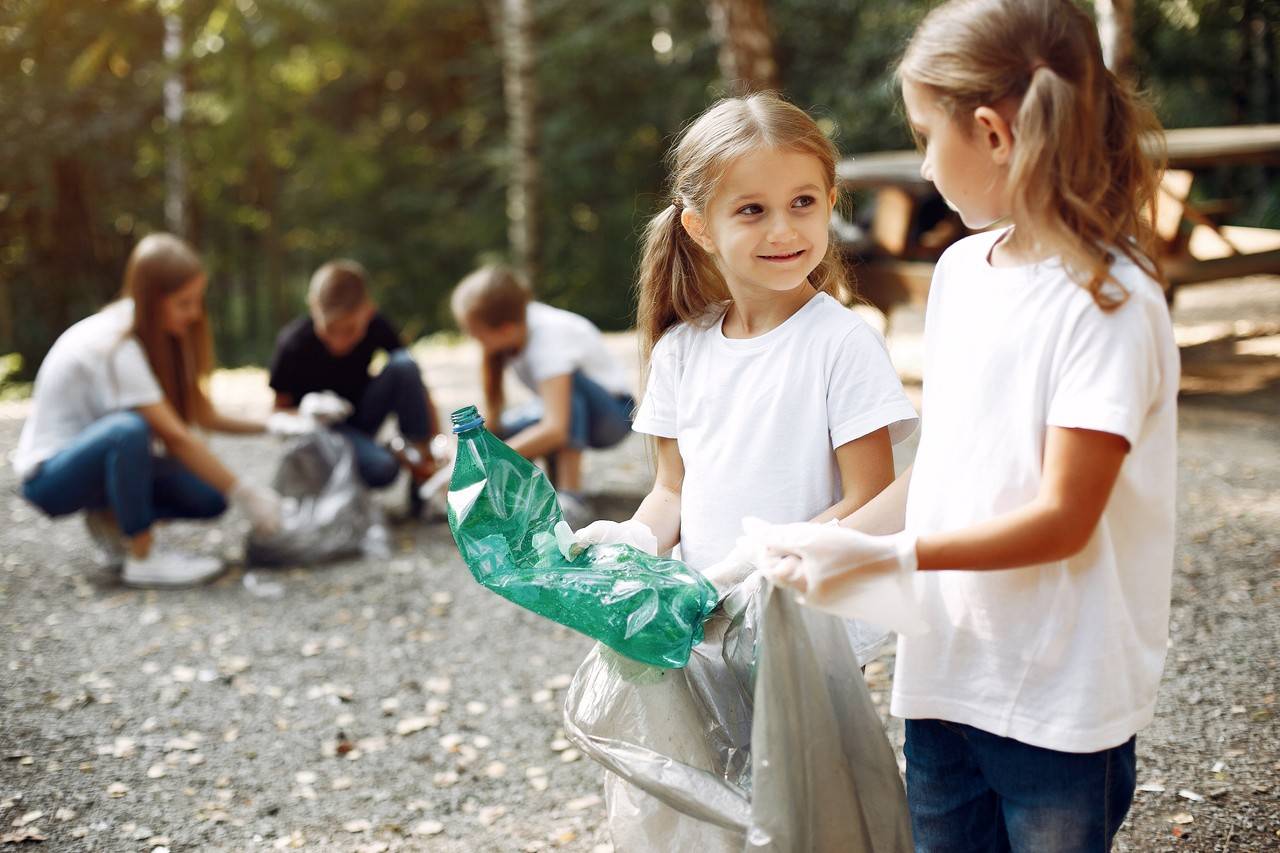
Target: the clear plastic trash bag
pixel 767 740
pixel 327 513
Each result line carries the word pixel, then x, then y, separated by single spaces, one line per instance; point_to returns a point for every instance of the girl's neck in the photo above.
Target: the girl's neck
pixel 755 311
pixel 1015 249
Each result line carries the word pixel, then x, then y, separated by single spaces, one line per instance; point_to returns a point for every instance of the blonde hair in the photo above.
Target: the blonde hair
pixel 1080 175
pixel 159 266
pixel 492 296
pixel 338 288
pixel 679 281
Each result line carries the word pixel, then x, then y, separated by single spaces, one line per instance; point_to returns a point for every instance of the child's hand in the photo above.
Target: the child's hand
pixel 324 407
pixel 260 504
pixel 815 558
pixel 842 571
pixel 740 564
pixel 634 533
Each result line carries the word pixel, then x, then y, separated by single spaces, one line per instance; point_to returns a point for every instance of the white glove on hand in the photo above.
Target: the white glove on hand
pixel 260 504
pixel 842 571
pixel 634 533
pixel 324 407
pixel 739 565
pixel 289 424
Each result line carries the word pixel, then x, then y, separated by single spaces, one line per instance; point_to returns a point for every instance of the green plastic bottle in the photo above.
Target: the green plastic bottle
pixel 503 513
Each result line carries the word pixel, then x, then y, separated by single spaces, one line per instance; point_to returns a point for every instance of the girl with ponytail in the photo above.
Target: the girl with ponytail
pixel 766 396
pixel 1050 383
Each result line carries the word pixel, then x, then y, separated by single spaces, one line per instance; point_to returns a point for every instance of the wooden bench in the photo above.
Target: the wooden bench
pixel 892 258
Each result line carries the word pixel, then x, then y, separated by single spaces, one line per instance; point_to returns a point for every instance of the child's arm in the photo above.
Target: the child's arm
pixel 866 469
pixel 660 509
pixel 552 432
pixel 1080 469
pixel 885 513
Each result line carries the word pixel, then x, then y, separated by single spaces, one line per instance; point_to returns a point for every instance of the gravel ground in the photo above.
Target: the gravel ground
pixel 396 705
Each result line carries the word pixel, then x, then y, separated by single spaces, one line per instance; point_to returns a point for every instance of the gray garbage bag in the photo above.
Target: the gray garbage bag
pixel 767 740
pixel 327 513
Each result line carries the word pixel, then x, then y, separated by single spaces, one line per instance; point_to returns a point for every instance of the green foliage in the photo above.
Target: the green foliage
pixel 377 131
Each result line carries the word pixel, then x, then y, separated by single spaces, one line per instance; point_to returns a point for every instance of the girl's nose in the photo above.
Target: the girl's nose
pixel 780 228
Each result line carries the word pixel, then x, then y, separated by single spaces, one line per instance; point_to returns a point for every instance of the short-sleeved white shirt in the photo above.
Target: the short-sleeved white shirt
pixel 757 420
pixel 561 342
pixel 94 368
pixel 1065 655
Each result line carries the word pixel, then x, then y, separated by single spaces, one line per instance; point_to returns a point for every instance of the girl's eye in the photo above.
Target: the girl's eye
pixel 804 201
pixel 750 209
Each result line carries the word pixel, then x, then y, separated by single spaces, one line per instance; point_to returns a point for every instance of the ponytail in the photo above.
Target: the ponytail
pixel 1080 175
pixel 678 281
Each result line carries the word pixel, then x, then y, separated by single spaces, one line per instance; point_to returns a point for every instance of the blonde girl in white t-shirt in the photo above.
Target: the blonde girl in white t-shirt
pixel 1048 448
pixel 765 395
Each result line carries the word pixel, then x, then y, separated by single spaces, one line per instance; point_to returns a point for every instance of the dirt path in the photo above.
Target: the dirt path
pixel 376 705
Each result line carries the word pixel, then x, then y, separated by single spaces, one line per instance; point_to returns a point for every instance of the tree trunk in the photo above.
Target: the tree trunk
pixel 520 91
pixel 741 29
pixel 1115 31
pixel 175 166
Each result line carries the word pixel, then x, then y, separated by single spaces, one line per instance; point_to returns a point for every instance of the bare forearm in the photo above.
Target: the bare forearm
pixel 199 460
pixel 1037 533
pixel 885 513
pixel 538 440
pixel 236 426
pixel 660 511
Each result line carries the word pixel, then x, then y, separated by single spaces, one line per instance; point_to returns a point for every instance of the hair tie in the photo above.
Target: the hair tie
pixel 1036 66
pixel 677 203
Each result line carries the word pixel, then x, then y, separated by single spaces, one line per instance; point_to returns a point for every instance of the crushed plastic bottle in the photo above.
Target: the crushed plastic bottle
pixel 503 513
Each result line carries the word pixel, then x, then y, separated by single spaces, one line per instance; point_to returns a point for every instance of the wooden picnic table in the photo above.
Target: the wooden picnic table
pixel 893 260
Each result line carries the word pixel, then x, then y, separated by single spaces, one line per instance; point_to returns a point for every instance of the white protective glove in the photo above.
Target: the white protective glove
pixel 842 571
pixel 260 504
pixel 740 564
pixel 631 532
pixel 324 407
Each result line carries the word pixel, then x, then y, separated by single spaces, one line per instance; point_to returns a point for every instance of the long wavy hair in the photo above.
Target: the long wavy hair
pixel 159 266
pixel 1087 149
pixel 678 280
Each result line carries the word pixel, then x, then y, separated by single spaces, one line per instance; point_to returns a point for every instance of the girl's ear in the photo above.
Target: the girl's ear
pixel 696 227
pixel 995 133
pixel 831 199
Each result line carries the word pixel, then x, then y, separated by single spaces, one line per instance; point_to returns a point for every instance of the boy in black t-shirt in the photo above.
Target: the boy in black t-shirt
pixel 329 350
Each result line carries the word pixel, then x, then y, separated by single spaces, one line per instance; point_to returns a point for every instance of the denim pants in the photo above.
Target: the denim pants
pixel 397 390
pixel 970 791
pixel 597 418
pixel 110 466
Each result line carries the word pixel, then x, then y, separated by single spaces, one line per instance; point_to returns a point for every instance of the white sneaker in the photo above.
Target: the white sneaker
pixel 170 569
pixel 106 535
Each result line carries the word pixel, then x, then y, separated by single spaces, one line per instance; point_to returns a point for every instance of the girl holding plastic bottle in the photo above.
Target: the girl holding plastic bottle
pixel 765 395
pixel 113 384
pixel 1048 451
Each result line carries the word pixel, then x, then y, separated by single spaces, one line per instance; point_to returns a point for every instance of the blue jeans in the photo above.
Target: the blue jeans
pixel 397 390
pixel 970 791
pixel 596 418
pixel 110 466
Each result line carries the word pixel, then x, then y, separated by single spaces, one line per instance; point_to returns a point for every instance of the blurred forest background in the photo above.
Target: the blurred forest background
pixel 425 136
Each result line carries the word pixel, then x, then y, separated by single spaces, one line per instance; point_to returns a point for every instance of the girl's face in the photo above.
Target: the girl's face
pixel 768 222
pixel 505 339
pixel 180 309
pixel 966 160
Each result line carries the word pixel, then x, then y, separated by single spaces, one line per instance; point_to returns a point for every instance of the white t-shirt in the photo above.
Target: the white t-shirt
pixel 562 342
pixel 757 420
pixel 1065 655
pixel 96 367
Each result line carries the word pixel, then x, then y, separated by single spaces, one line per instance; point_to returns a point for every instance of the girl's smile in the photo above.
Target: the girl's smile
pixel 768 223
